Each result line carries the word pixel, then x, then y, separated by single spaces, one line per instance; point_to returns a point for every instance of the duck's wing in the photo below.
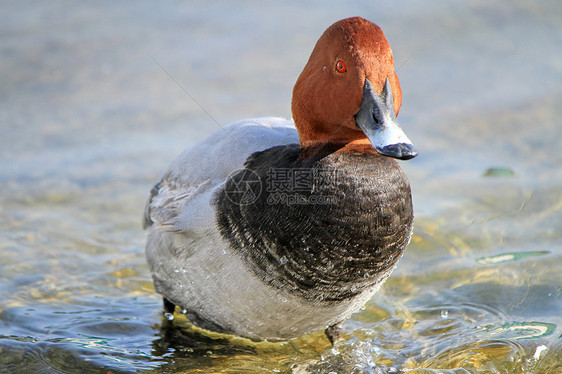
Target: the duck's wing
pixel 181 199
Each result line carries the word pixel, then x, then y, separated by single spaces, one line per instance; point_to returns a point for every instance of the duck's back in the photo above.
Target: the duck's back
pixel 206 165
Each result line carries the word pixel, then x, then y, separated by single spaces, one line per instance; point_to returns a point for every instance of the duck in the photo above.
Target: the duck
pixel 270 229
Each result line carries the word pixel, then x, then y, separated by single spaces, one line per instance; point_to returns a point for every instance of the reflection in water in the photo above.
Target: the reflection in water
pixel 176 342
pixel 183 347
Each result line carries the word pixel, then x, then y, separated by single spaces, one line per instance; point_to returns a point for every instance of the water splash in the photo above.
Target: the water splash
pixel 169 316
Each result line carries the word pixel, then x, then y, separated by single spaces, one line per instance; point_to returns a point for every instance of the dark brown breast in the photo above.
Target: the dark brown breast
pixel 324 227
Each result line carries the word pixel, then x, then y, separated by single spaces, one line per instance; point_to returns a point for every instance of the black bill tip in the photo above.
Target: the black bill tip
pixel 401 151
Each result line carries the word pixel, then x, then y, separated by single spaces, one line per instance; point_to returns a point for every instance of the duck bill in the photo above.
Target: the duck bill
pixel 377 120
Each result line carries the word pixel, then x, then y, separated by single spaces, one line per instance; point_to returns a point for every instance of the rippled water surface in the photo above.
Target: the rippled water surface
pixel 92 111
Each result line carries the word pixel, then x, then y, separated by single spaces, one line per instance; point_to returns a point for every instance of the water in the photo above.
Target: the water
pixel 89 119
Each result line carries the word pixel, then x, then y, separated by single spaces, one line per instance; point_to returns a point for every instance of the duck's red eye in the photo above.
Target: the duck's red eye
pixel 340 66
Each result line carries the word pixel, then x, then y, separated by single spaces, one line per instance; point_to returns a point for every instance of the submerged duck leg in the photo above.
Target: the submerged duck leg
pixel 169 308
pixel 333 333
